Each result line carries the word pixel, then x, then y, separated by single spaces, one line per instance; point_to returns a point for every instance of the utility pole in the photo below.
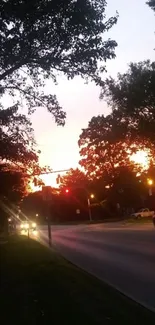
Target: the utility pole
pixel 49 225
pixel 46 192
pixel 89 210
pixel 89 206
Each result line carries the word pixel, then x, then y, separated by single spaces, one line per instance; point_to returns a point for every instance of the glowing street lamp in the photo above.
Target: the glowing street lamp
pixel 89 206
pixel 150 182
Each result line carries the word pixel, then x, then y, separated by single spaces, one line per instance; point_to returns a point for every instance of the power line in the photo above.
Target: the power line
pixel 52 172
pixel 46 173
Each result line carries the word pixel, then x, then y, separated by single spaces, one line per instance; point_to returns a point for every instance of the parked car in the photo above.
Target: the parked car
pixel 143 213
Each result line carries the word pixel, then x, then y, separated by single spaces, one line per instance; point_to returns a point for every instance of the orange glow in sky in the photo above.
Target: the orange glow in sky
pixel 140 158
pixel 58 145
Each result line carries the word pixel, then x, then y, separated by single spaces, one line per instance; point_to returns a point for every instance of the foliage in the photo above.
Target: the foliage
pixel 16 138
pixel 13 184
pixel 32 204
pixel 127 189
pixel 39 39
pixel 18 156
pixel 106 144
pixel 133 92
pixel 132 96
pixel 74 178
pixel 151 3
pixel 108 141
pixel 17 152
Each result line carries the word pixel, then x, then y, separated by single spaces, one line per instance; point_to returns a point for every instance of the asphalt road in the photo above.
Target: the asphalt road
pixel 120 255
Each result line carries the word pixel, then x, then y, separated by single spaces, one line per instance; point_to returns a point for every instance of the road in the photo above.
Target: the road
pixel 123 256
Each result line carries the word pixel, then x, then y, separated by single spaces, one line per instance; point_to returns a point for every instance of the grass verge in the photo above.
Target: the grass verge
pixel 40 287
pixel 141 221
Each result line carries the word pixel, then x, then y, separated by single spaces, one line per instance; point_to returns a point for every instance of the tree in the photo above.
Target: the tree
pixel 133 92
pixel 18 156
pixel 106 144
pixel 17 143
pixel 151 3
pixel 39 39
pixel 127 188
pixel 74 178
pixel 109 141
pixel 132 95
pixel 13 184
pixel 33 205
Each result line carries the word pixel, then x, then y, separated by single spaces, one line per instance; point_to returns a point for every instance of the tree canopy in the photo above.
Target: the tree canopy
pixel 18 155
pixel 151 3
pixel 16 138
pixel 132 96
pixel 13 184
pixel 74 178
pixel 109 140
pixel 39 39
pixel 105 145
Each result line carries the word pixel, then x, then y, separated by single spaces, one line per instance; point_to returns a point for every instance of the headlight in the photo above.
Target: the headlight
pixel 26 226
pixel 34 224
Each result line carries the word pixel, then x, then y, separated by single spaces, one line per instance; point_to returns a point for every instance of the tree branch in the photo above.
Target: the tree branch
pixel 11 70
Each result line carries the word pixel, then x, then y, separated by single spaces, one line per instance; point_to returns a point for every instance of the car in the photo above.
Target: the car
pixel 28 225
pixel 143 213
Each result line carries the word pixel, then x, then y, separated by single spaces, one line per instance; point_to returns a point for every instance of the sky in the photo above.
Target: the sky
pixel 135 36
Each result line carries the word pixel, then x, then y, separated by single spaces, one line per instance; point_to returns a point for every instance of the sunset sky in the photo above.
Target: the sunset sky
pixel 134 34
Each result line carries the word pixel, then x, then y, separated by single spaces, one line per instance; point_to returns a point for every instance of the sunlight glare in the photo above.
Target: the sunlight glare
pixel 140 158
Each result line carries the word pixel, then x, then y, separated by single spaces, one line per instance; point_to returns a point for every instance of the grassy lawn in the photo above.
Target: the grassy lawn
pixel 142 221
pixel 40 287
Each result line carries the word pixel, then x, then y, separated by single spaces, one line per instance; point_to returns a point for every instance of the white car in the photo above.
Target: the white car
pixel 143 213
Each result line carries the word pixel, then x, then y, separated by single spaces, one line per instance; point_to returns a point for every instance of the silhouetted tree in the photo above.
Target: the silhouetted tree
pixel 39 39
pixel 132 97
pixel 151 3
pixel 74 178
pixel 33 205
pixel 17 143
pixel 13 184
pixel 106 144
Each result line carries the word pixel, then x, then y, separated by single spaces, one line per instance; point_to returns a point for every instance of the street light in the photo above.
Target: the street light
pixel 89 206
pixel 150 182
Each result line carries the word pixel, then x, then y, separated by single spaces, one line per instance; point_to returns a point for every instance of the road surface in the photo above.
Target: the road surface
pixel 123 256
